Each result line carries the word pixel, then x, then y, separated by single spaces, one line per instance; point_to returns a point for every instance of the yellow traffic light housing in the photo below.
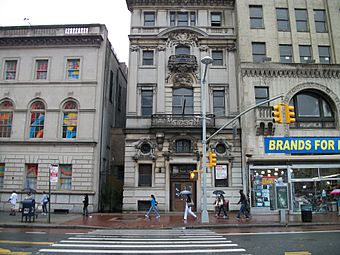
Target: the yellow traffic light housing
pixel 290 113
pixel 212 159
pixel 277 113
pixel 193 175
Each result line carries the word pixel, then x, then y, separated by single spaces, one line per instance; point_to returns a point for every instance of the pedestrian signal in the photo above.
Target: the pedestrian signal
pixel 277 113
pixel 290 113
pixel 212 159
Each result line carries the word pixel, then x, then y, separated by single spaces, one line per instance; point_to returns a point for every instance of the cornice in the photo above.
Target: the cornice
pixel 179 3
pixel 292 71
pixel 92 40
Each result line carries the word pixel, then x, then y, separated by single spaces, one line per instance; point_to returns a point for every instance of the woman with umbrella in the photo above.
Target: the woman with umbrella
pixel 188 205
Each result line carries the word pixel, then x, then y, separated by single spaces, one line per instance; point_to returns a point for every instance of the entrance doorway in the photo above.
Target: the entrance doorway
pixel 179 180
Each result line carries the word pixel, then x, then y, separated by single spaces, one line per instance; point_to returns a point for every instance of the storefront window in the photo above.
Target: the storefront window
pixel 261 182
pixel 316 187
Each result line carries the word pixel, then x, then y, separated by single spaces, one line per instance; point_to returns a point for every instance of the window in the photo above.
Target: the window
pixel 183 146
pixel 217 56
pixel 218 102
pixel 221 176
pixel 192 18
pixel 147 58
pixel 182 50
pixel 6 118
pixel 259 52
pixel 73 68
pixel 10 69
pixel 320 21
pixel 261 94
pixel 305 53
pixel 282 18
pixel 31 176
pixel 70 119
pixel 182 19
pixel 37 120
pixel 41 67
pixel 2 175
pixel 111 87
pixel 149 19
pixel 216 19
pixel 301 20
pixel 182 101
pixel 256 16
pixel 65 177
pixel 312 110
pixel 147 102
pixel 324 55
pixel 286 53
pixel 144 175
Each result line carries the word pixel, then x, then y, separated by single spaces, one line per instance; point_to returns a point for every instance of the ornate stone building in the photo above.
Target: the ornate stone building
pixel 168 39
pixel 62 90
pixel 290 48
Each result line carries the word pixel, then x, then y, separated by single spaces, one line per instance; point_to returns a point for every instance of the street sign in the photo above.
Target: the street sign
pixel 54 169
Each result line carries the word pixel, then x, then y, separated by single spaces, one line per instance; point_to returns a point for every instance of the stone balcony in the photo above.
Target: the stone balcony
pixel 182 63
pixel 180 121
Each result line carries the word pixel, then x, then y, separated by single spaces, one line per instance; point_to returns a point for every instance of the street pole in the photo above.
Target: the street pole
pixel 205 216
pixel 49 194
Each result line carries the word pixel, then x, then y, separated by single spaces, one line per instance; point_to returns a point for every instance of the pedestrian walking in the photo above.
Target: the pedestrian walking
pixel 44 201
pixel 86 204
pixel 222 204
pixel 188 208
pixel 153 207
pixel 244 209
pixel 13 200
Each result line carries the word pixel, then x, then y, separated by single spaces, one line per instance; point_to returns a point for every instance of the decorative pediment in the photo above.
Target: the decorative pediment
pixel 182 80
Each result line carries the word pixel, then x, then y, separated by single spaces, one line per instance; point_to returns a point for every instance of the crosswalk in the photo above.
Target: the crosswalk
pixel 166 241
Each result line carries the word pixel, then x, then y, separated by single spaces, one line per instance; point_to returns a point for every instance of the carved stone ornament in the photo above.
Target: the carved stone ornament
pixel 134 48
pixel 182 38
pixel 182 80
pixel 161 48
pixel 203 48
pixel 145 149
pixel 225 144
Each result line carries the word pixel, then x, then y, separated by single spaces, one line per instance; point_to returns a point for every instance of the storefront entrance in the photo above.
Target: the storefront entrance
pixel 179 180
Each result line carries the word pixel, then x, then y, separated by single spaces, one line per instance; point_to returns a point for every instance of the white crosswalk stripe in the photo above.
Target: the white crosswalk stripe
pixel 177 241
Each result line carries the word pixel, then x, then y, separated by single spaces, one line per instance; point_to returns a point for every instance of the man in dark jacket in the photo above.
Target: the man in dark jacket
pixel 86 204
pixel 244 206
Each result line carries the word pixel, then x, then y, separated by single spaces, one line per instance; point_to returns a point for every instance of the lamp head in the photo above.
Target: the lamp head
pixel 207 60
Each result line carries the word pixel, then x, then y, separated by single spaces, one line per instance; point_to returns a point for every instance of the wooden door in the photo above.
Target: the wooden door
pixel 178 201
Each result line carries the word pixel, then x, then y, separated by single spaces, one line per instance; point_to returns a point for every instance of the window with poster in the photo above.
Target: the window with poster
pixel 261 182
pixel 221 176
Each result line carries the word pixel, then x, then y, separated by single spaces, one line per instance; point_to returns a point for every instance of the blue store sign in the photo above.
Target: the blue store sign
pixel 302 145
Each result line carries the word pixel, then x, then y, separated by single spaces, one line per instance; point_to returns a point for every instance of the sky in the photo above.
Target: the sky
pixel 113 13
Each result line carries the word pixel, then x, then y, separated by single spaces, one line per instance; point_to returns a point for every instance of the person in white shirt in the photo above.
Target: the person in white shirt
pixel 13 200
pixel 44 201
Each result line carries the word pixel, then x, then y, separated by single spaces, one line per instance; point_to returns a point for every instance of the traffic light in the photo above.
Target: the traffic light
pixel 290 114
pixel 193 175
pixel 277 113
pixel 212 159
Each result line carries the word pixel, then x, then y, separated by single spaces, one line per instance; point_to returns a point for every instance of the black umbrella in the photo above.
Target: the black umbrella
pixel 29 190
pixel 218 192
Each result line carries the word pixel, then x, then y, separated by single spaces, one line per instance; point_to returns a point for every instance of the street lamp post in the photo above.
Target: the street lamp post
pixel 205 216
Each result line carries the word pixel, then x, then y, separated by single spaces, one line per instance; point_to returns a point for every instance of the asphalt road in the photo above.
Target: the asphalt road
pixel 17 241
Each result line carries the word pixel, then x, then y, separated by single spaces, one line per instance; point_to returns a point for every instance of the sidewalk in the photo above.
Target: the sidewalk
pixel 134 220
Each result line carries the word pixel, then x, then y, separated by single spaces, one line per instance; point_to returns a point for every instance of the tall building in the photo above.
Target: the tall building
pixel 163 144
pixel 62 90
pixel 290 48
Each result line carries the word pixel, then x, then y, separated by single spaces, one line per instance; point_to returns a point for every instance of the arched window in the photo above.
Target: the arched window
pixel 6 117
pixel 183 145
pixel 182 101
pixel 312 110
pixel 70 119
pixel 37 120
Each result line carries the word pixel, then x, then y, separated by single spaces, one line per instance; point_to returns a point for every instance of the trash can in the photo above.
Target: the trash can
pixel 28 210
pixel 306 213
pixel 332 206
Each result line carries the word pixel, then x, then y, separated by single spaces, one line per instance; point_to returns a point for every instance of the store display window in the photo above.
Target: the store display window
pixel 261 182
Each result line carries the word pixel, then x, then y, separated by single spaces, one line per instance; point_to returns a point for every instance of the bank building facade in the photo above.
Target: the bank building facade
pixel 163 142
